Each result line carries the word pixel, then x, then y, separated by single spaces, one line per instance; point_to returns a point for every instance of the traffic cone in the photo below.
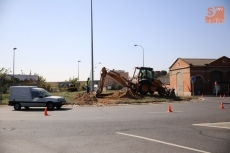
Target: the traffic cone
pixel 224 95
pixel 169 108
pixel 220 95
pixel 202 95
pixel 45 112
pixel 221 105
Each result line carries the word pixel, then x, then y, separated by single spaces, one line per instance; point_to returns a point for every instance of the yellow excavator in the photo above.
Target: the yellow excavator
pixel 143 82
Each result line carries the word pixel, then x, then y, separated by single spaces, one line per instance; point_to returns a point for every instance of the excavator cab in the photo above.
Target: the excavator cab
pixel 143 73
pixel 143 77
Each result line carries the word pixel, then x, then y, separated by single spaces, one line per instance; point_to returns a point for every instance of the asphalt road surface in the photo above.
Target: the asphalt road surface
pixel 192 127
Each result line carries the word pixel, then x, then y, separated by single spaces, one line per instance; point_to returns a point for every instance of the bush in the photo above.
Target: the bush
pixel 116 86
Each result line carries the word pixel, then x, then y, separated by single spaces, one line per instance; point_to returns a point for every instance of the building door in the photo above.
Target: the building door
pixel 217 76
pixel 198 84
pixel 179 84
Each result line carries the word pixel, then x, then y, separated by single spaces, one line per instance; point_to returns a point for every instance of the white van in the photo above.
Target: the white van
pixel 32 96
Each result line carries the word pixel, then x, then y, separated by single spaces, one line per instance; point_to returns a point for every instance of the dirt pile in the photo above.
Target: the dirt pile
pixel 90 98
pixel 125 94
pixel 85 98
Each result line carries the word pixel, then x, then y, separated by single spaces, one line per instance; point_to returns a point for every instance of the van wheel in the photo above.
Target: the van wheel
pixel 50 106
pixel 17 106
pixel 27 107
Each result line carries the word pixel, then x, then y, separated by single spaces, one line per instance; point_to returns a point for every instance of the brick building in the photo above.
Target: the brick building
pixel 206 72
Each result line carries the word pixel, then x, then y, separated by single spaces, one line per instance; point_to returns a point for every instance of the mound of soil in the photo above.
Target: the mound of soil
pixel 85 98
pixel 90 98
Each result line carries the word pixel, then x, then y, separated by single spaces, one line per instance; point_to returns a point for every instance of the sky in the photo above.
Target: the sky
pixel 51 36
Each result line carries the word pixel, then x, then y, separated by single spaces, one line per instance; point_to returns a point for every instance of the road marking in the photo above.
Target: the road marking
pixel 167 112
pixel 158 141
pixel 36 115
pixel 223 125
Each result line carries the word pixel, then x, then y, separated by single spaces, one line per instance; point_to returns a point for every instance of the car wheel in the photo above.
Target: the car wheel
pixel 27 107
pixel 50 106
pixel 17 106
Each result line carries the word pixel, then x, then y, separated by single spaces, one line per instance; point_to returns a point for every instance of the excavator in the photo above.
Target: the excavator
pixel 142 82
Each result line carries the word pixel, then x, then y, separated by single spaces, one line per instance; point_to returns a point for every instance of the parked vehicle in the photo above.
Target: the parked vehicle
pixel 32 96
pixel 71 87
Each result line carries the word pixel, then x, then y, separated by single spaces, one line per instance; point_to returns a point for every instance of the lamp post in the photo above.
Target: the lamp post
pixel 13 63
pixel 78 75
pixel 143 52
pixel 92 73
pixel 92 66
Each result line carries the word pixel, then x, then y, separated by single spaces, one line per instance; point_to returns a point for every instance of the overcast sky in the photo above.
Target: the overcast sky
pixel 51 36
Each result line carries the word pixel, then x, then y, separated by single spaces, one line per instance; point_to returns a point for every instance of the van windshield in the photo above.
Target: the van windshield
pixel 45 93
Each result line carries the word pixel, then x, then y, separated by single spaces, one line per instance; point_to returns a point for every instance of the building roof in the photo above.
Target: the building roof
pixel 197 61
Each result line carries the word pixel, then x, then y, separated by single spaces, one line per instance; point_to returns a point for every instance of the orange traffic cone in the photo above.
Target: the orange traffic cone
pixel 45 112
pixel 169 108
pixel 221 105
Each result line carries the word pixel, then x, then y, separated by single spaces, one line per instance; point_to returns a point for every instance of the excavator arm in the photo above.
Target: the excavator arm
pixel 116 76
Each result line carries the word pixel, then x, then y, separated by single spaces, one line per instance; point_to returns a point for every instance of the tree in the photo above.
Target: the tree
pixel 41 80
pixel 5 81
pixel 72 80
pixel 163 73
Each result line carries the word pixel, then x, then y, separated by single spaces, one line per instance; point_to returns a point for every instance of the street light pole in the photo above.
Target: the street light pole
pixel 78 75
pixel 143 52
pixel 92 81
pixel 13 63
pixel 92 71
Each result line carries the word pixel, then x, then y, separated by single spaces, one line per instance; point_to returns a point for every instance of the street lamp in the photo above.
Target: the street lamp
pixel 92 66
pixel 143 52
pixel 78 73
pixel 13 63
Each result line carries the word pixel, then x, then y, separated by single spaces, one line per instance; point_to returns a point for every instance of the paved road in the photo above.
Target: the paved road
pixel 192 127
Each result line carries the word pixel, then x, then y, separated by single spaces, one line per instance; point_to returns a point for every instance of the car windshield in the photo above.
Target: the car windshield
pixel 45 93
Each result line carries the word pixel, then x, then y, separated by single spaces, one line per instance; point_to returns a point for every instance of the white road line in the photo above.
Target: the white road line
pixel 36 115
pixel 167 112
pixel 167 143
pixel 223 125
